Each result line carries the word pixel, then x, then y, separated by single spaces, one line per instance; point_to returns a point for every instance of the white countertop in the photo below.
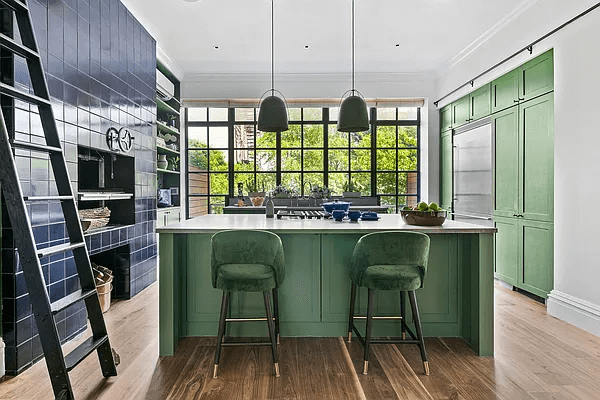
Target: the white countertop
pixel 218 222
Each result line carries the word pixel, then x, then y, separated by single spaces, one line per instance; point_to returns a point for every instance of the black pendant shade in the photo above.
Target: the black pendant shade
pixel 353 115
pixel 272 116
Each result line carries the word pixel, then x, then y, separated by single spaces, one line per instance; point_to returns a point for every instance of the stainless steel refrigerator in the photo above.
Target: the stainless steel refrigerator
pixel 473 196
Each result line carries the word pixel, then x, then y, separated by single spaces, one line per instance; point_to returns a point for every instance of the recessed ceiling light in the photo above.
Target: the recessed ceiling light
pixel 397 44
pixel 306 46
pixel 216 47
pixel 191 1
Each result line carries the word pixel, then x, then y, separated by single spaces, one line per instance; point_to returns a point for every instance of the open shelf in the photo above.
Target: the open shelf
pixel 164 107
pixel 166 150
pixel 166 171
pixel 166 128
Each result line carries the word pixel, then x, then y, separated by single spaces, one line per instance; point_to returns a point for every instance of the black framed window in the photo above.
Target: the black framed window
pixel 225 148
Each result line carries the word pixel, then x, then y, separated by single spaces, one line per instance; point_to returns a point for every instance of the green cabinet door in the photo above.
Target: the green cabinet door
pixel 506 254
pixel 460 112
pixel 536 200
pixel 446 118
pixel 446 170
pixel 505 91
pixel 537 76
pixel 480 102
pixel 536 272
pixel 505 126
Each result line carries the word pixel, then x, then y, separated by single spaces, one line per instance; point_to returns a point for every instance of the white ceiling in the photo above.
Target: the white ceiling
pixel 430 33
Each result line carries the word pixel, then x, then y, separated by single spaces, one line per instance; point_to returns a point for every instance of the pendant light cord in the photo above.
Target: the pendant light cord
pixel 353 88
pixel 272 50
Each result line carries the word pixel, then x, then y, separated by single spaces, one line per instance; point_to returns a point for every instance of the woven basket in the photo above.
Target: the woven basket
pixel 96 217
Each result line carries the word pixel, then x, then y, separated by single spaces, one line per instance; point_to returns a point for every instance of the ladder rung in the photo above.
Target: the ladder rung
pixel 17 48
pixel 37 147
pixel 83 350
pixel 46 198
pixel 71 299
pixel 15 5
pixel 17 94
pixel 50 251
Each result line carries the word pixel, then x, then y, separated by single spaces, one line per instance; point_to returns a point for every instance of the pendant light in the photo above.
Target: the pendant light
pixel 353 116
pixel 272 115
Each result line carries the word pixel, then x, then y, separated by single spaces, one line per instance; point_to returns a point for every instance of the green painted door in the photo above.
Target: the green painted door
pixel 446 118
pixel 446 170
pixel 460 112
pixel 537 76
pixel 506 254
pixel 505 91
pixel 536 200
pixel 480 102
pixel 505 126
pixel 536 272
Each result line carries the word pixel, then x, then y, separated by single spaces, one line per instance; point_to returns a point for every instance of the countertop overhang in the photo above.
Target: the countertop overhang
pixel 213 223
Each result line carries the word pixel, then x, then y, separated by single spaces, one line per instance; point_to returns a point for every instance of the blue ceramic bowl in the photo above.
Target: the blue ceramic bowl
pixel 338 215
pixel 354 215
pixel 336 205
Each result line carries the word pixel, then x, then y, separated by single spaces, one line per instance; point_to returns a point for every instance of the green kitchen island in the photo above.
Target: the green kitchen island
pixel 457 300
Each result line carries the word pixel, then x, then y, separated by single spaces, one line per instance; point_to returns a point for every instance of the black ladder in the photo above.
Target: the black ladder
pixel 58 364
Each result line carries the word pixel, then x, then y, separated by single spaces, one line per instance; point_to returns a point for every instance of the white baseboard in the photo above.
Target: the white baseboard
pixel 2 365
pixel 573 310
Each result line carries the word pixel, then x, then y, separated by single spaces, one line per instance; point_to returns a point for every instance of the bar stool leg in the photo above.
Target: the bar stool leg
pixel 403 314
pixel 351 318
pixel 276 312
pixel 267 297
pixel 370 306
pixel 224 307
pixel 415 311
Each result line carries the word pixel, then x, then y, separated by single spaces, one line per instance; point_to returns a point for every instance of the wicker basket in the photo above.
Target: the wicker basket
pixel 94 218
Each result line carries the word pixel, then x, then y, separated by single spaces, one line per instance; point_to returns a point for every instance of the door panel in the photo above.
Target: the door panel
pixel 446 170
pixel 505 91
pixel 506 254
pixel 481 102
pixel 460 112
pixel 506 170
pixel 538 76
pixel 537 271
pixel 446 118
pixel 536 120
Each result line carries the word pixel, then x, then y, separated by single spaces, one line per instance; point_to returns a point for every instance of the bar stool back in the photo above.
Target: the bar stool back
pixel 247 261
pixel 395 260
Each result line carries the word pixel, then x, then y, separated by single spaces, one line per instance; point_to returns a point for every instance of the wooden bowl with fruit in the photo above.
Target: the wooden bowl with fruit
pixel 424 214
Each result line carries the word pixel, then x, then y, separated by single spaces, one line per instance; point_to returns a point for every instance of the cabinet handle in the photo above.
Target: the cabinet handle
pixel 165 219
pixel 515 215
pixel 516 101
pixel 521 99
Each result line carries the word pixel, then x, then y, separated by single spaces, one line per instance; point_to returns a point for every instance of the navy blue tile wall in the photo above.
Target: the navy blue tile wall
pixel 100 67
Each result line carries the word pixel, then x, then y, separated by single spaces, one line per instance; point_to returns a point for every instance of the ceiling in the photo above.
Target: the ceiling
pixel 391 35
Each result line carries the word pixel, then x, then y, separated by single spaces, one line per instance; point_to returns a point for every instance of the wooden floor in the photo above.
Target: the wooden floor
pixel 537 357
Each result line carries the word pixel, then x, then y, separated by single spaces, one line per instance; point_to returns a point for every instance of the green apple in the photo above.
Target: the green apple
pixel 433 206
pixel 406 208
pixel 423 206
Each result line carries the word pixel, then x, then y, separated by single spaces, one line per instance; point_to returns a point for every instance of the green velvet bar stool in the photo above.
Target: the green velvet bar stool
pixel 247 261
pixel 389 261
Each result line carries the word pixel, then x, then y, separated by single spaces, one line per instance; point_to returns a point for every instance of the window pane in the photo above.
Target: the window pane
pixel 197 160
pixel 244 160
pixel 360 139
pixel 386 114
pixel 243 136
pixel 386 136
pixel 217 204
pixel 313 135
pixel 361 183
pixel 247 179
pixel 197 114
pixel 361 160
pixel 291 137
pixel 338 160
pixel 218 114
pixel 218 137
pixel 313 179
pixel 197 136
pixel 386 183
pixel 337 139
pixel 265 182
pixel 295 114
pixel 291 160
pixel 265 140
pixel 333 113
pixel 291 181
pixel 407 112
pixel 198 206
pixel 407 183
pixel 407 136
pixel 386 160
pixel 198 183
pixel 244 114
pixel 265 160
pixel 410 201
pixel 407 160
pixel 313 114
pixel 313 160
pixel 219 184
pixel 338 183
pixel 218 161
pixel 389 201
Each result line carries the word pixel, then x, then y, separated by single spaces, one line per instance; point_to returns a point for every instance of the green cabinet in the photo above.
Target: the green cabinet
pixel 446 118
pixel 480 103
pixel 460 111
pixel 506 250
pixel 446 170
pixel 505 126
pixel 532 79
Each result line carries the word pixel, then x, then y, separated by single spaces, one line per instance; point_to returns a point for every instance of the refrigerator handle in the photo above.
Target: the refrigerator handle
pixel 454 161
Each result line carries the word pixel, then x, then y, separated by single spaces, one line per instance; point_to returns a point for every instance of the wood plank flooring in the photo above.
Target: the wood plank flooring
pixel 538 357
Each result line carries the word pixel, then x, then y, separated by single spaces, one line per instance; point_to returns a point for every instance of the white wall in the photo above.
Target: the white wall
pixel 297 86
pixel 576 294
